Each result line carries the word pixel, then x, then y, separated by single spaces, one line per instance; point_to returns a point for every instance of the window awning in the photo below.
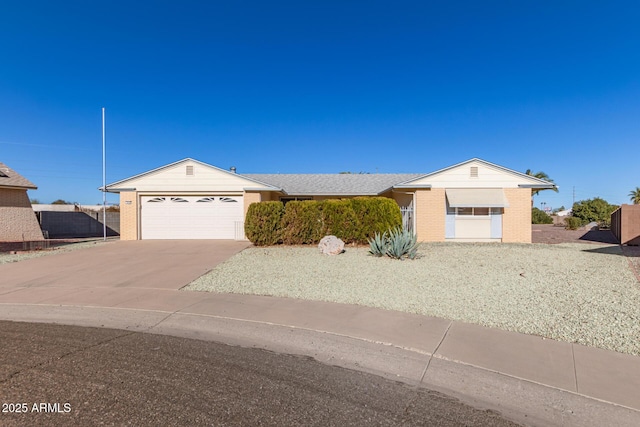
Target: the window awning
pixel 477 198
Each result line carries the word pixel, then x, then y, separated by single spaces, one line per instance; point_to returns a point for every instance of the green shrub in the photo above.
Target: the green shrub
pixel 540 217
pixel 593 210
pixel 302 223
pixel 572 223
pixel 339 219
pixel 262 224
pixel 352 220
pixel 375 215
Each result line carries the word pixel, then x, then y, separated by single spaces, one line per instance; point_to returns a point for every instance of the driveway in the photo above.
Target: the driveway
pixel 159 264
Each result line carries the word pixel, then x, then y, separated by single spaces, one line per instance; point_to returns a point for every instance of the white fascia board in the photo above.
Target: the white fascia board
pixel 264 189
pixel 116 190
pixel 412 186
pixel 543 186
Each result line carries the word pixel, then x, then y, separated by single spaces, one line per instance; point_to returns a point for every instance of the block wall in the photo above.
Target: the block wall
pixel 516 221
pixel 430 214
pixel 129 215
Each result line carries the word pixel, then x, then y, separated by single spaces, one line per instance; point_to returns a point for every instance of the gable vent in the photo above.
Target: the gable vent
pixel 189 170
pixel 474 172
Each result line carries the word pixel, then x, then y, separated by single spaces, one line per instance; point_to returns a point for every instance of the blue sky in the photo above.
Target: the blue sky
pixel 321 87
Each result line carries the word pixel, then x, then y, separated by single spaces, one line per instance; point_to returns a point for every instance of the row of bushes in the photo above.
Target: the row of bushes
pixel 306 222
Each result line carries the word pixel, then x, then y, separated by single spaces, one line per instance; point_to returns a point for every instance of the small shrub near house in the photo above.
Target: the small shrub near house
pixel 376 215
pixel 540 217
pixel 340 220
pixel 302 223
pixel 263 221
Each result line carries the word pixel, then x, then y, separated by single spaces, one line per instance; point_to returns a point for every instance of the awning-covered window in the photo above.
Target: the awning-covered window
pixel 477 198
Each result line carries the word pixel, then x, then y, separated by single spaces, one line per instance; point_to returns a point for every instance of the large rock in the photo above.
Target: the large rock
pixel 331 245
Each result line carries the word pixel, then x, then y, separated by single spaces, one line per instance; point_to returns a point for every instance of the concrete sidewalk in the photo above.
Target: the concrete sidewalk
pixel 532 380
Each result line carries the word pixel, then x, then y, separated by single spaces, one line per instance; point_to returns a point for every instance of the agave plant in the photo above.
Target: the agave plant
pixel 402 243
pixel 397 243
pixel 378 244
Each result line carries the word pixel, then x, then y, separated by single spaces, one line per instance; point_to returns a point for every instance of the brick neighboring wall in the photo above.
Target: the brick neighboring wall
pixel 516 221
pixel 430 215
pixel 128 215
pixel 18 220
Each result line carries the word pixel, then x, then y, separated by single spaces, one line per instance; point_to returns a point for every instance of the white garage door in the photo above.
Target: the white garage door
pixel 190 217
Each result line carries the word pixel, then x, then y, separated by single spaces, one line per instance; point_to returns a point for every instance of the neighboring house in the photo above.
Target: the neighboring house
pixel 18 222
pixel 471 201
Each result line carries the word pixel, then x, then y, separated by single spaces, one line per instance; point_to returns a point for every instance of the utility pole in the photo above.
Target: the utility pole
pixel 574 196
pixel 104 181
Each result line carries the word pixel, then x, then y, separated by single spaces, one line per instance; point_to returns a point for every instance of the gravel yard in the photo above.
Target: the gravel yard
pixel 9 256
pixel 583 293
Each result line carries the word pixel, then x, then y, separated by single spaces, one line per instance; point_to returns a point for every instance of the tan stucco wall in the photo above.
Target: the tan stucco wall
pixel 128 215
pixel 516 221
pixel 18 221
pixel 430 214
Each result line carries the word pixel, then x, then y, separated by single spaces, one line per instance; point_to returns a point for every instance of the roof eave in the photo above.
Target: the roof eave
pixel 412 186
pixel 19 187
pixel 539 186
pixel 264 189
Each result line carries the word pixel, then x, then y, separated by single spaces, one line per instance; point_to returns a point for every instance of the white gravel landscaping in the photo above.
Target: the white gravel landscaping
pixel 580 293
pixel 7 257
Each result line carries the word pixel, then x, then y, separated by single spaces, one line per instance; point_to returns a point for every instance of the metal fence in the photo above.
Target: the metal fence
pixel 407 218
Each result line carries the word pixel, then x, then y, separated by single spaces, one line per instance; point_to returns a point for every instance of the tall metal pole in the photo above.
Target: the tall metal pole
pixel 104 180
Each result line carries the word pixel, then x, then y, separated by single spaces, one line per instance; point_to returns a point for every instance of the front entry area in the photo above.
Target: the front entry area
pixel 190 217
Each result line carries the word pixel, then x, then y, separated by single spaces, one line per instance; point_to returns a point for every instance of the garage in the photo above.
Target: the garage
pixel 190 217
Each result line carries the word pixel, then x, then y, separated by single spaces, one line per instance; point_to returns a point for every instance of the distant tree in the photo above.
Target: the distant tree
pixel 593 210
pixel 540 175
pixel 61 202
pixel 540 217
pixel 635 196
pixel 35 201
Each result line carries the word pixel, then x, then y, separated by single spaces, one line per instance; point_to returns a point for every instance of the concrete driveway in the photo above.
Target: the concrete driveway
pixel 159 264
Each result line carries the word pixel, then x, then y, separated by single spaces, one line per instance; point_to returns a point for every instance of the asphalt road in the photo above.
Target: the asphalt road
pixel 67 375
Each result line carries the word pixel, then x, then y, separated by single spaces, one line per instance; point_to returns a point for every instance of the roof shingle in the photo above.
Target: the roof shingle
pixel 12 179
pixel 333 184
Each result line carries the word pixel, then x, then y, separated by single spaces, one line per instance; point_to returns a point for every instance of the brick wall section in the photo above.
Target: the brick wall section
pixel 128 215
pixel 18 221
pixel 250 198
pixel 430 214
pixel 516 222
pixel 14 198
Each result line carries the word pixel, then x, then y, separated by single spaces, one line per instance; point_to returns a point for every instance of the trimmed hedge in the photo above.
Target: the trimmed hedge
pixel 340 220
pixel 376 215
pixel 263 223
pixel 302 223
pixel 306 222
